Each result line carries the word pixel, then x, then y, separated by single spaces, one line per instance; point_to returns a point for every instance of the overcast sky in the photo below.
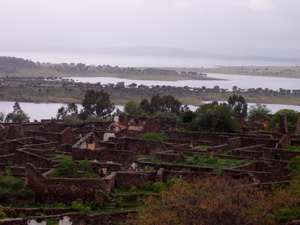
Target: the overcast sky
pixel 233 26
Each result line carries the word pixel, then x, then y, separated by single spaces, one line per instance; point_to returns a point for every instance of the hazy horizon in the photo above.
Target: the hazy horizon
pixel 218 27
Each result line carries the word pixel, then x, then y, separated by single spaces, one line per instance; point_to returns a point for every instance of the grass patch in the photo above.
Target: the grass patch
pixel 293 148
pixel 153 136
pixel 13 187
pixel 201 148
pixel 217 163
pixel 227 152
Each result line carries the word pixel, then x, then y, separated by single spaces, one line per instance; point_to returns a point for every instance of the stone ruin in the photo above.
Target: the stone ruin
pixel 121 159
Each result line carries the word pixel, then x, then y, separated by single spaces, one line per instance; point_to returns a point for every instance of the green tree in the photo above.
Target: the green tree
pixel 17 116
pixel 292 117
pixel 2 116
pixel 166 103
pixel 71 109
pixel 156 103
pixel 239 105
pixel 216 118
pixel 85 165
pixel 145 106
pixel 66 169
pixel 187 116
pixel 258 111
pixel 168 118
pixel 96 103
pixel 132 107
pixel 72 120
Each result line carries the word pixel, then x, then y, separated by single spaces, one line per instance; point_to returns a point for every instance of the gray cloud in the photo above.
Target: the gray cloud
pixel 234 26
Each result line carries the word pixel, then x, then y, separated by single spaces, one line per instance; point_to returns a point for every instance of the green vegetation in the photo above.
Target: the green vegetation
pixel 292 117
pixel 68 169
pixel 20 67
pixel 294 167
pixel 132 107
pixel 201 148
pixel 198 160
pixel 217 163
pixel 17 116
pixel 153 136
pixel 79 206
pixel 238 105
pixel 258 111
pixel 220 201
pixel 39 89
pixel 61 157
pixel 96 103
pixel 2 214
pixel 215 118
pixel 11 187
pixel 72 120
pixel 293 148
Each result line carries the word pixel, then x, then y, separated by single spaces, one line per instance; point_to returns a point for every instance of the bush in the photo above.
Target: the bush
pixel 292 117
pixel 80 207
pixel 258 111
pixel 148 185
pixel 294 166
pixel 133 189
pixel 293 148
pixel 214 118
pixel 94 119
pixel 85 165
pixel 11 186
pixel 168 118
pixel 153 136
pixel 2 214
pixel 72 120
pixel 158 187
pixel 66 169
pixel 133 107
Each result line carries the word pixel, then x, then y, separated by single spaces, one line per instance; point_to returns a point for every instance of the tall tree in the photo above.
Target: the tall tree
pixel 96 103
pixel 215 118
pixel 239 105
pixel 71 109
pixel 145 106
pixel 17 116
pixel 132 107
pixel 258 111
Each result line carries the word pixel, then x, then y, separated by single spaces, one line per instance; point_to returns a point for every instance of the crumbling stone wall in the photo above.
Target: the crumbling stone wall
pixel 157 166
pixel 64 137
pixel 170 156
pixel 105 155
pixel 22 157
pixel 185 175
pixel 128 179
pixel 144 147
pixel 65 190
pixel 74 219
pixel 264 171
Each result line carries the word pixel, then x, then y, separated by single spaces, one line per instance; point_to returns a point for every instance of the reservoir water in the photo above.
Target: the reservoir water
pixel 38 111
pixel 228 82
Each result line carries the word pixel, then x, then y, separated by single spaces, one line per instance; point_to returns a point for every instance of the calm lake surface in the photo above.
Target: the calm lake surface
pixel 229 81
pixel 38 111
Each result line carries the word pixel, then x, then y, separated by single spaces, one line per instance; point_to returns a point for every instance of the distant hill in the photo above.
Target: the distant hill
pixel 12 64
